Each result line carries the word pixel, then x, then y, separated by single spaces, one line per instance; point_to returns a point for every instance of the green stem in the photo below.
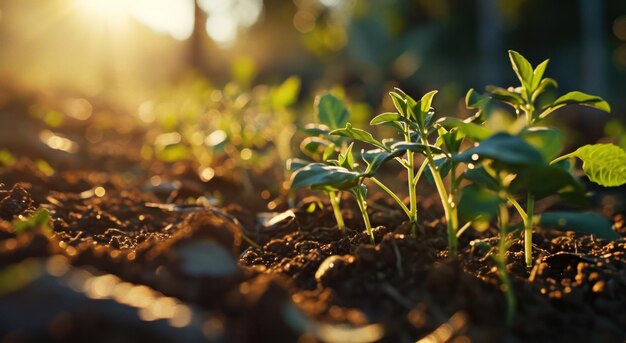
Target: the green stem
pixel 334 202
pixel 393 195
pixel 449 207
pixel 412 192
pixel 528 230
pixel 519 209
pixel 366 219
pixel 507 286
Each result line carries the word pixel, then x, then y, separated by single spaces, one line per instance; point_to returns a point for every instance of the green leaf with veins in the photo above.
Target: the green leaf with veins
pixel 331 111
pixel 577 98
pixel 358 134
pixel 604 164
pixel 324 177
pixel 385 118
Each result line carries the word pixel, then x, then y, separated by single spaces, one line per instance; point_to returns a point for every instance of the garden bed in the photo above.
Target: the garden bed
pixel 402 289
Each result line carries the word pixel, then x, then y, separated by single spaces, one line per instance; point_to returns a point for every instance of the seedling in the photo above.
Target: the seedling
pixel 518 165
pixel 337 175
pixel 331 113
pixel 413 121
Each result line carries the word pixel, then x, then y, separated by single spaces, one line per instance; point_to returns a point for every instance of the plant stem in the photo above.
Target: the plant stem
pixel 366 219
pixel 393 195
pixel 412 193
pixel 507 286
pixel 334 202
pixel 528 230
pixel 449 207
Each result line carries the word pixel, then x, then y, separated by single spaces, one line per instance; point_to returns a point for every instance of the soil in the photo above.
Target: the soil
pixel 128 257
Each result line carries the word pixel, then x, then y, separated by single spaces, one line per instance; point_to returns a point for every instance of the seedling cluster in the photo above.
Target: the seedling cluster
pixel 479 172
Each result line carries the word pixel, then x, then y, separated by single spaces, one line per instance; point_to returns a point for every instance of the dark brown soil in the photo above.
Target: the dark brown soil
pixel 308 282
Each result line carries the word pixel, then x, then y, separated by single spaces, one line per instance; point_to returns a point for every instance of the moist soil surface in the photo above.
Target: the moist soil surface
pixel 139 250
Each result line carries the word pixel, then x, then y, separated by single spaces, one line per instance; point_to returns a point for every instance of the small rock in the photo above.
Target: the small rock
pixel 332 267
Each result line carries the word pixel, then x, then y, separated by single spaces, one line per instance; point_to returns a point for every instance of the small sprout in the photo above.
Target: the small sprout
pixel 38 220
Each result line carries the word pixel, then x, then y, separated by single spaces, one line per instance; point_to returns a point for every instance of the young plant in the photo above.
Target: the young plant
pixel 334 176
pixel 331 113
pixel 534 146
pixel 413 121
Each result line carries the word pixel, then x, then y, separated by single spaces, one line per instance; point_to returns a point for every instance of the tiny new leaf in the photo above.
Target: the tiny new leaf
pixel 523 69
pixel 39 219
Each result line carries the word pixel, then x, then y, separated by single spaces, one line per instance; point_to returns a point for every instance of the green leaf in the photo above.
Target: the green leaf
pixel 505 95
pixel 475 100
pixel 39 219
pixel 538 75
pixel 583 222
pixel 426 101
pixel 547 140
pixel 346 160
pixel 294 164
pixel 385 118
pixel 415 147
pixel 358 134
pixel 604 164
pixel 480 176
pixel 331 111
pixel 503 148
pixel 324 177
pixel 399 102
pixel 545 83
pixel 523 69
pixel 546 180
pixel 316 129
pixel 473 131
pixel 375 158
pixel 314 147
pixel 479 205
pixel 577 98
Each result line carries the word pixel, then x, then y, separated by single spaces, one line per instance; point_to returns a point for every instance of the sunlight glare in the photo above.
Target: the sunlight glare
pixel 108 10
pixel 173 17
pixel 225 17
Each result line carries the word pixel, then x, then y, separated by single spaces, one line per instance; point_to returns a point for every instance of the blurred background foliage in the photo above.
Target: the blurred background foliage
pixel 176 53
